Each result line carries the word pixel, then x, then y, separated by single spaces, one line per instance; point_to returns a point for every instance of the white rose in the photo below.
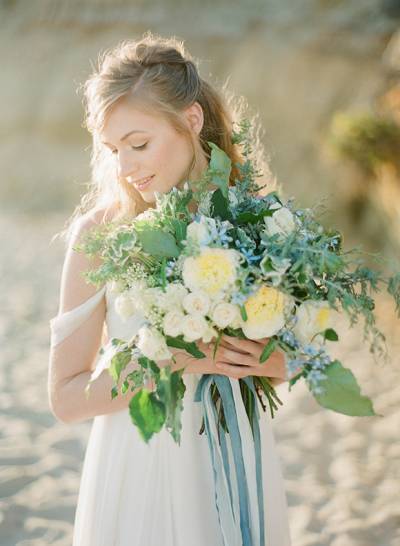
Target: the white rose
pixel 152 344
pixel 172 298
pixel 225 314
pixel 194 327
pixel 282 221
pixel 197 302
pixel 198 232
pixel 147 298
pixel 124 305
pixel 313 317
pixel 172 323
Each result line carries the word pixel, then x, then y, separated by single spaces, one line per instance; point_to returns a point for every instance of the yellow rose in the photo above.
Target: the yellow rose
pixel 313 317
pixel 265 313
pixel 213 271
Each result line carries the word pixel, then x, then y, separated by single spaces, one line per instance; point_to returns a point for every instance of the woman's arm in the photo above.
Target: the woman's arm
pixel 72 360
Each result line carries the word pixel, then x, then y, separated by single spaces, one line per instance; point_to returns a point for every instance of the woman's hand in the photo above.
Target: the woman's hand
pixel 205 365
pixel 240 357
pixel 235 358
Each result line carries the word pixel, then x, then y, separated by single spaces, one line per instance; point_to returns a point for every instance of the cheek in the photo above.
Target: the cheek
pixel 172 160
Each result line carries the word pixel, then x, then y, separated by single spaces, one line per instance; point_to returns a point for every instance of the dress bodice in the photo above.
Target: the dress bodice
pixel 64 324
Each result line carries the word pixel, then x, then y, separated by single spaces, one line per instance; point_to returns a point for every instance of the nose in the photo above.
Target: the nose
pixel 127 166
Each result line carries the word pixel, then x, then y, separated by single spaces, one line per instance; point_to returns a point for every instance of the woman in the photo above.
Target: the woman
pixel 151 115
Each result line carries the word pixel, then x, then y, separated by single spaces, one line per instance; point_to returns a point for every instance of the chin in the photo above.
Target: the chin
pixel 148 197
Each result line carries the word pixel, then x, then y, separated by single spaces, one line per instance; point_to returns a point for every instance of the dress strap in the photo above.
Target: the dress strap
pixel 62 325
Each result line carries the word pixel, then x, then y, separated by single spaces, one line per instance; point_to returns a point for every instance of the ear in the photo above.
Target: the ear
pixel 195 117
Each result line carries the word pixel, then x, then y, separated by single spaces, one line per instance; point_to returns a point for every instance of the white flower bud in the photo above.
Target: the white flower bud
pixel 124 305
pixel 197 302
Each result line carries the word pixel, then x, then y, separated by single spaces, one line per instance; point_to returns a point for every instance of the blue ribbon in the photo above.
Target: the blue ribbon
pixel 233 493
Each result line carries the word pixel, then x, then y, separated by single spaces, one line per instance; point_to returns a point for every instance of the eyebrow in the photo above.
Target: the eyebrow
pixel 128 134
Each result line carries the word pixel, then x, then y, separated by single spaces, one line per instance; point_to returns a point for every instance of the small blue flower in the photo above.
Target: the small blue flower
pixel 311 350
pixel 315 376
pixel 293 364
pixel 238 298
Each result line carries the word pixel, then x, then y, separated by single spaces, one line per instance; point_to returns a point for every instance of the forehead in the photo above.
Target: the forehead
pixel 125 116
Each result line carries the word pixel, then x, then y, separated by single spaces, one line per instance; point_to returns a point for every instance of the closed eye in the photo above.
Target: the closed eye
pixel 133 148
pixel 139 147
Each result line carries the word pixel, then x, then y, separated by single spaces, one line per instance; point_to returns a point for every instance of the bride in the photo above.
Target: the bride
pixel 150 115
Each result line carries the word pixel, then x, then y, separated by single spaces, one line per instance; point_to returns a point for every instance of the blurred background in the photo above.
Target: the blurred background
pixel 324 76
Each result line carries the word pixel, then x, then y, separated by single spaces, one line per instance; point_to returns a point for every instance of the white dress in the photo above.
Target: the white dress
pixel 160 493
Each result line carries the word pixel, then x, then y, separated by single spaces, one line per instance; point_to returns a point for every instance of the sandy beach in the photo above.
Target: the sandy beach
pixel 342 474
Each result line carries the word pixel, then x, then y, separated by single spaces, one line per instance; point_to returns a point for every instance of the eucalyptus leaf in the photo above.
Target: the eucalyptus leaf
pixel 158 243
pixel 343 394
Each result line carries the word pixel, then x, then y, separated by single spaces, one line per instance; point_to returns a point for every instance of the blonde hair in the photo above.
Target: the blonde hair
pixel 163 77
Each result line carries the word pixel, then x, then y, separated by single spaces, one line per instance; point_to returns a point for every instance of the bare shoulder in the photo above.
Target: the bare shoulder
pixel 75 289
pixel 91 219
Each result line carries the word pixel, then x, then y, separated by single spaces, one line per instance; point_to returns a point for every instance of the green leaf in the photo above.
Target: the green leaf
pixel 116 341
pixel 235 332
pixel 125 386
pixel 163 273
pixel 137 379
pixel 147 413
pixel 243 312
pixel 294 379
pixel 343 394
pixel 220 205
pixel 158 243
pixel 331 334
pixel 217 342
pixel 268 350
pixel 170 390
pixel 220 163
pixel 180 228
pixel 180 343
pixel 252 217
pixel 118 363
pixel 114 392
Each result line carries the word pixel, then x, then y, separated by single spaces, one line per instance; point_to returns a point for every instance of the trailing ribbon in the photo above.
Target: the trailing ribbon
pixel 236 461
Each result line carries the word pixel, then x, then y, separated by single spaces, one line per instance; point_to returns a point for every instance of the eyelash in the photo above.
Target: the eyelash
pixel 133 148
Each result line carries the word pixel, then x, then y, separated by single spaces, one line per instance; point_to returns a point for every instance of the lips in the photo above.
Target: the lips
pixel 143 182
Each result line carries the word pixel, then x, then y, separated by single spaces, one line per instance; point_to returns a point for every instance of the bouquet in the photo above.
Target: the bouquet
pixel 240 264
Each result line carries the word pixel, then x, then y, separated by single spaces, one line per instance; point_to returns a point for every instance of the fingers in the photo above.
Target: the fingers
pixel 233 370
pixel 227 345
pixel 237 372
pixel 249 345
pixel 233 356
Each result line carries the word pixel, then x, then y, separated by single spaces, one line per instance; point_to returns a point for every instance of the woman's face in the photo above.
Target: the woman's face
pixel 147 145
